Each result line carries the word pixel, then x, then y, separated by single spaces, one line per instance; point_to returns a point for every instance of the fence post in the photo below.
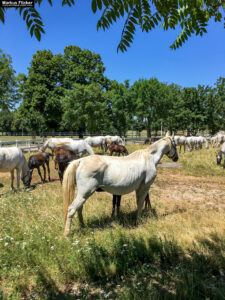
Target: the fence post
pixel 29 146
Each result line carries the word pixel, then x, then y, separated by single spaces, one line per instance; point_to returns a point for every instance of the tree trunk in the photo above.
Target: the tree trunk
pixel 149 133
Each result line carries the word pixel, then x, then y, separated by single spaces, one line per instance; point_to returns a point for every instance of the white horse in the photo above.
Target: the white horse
pixel 196 142
pixel 52 143
pixel 114 139
pixel 220 139
pixel 12 158
pixel 180 140
pixel 219 155
pixel 202 140
pixel 77 147
pixel 97 141
pixel 115 175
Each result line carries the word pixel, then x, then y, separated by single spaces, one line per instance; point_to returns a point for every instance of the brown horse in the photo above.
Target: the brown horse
pixel 62 161
pixel 58 151
pixel 37 160
pixel 148 141
pixel 114 147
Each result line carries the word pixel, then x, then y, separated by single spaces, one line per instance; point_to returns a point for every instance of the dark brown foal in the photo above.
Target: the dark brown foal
pixel 37 160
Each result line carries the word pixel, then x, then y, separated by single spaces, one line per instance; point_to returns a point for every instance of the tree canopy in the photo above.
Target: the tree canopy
pixel 69 92
pixel 190 16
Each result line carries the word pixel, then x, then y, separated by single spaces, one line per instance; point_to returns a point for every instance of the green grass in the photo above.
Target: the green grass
pixel 178 252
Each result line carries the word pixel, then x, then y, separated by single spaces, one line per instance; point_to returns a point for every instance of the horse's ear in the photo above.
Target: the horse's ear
pixel 167 133
pixel 173 135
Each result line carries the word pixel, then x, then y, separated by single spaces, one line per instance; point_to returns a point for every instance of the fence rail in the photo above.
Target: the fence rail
pixel 24 144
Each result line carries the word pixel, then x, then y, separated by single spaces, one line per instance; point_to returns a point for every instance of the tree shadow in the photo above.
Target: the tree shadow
pixel 134 268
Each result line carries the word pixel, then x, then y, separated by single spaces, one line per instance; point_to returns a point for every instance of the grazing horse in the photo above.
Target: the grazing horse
pixel 114 139
pixel 148 141
pixel 52 143
pixel 219 155
pixel 62 160
pixel 38 160
pixel 115 175
pixel 97 141
pixel 77 147
pixel 196 142
pixel 117 200
pixel 180 141
pixel 114 147
pixel 12 158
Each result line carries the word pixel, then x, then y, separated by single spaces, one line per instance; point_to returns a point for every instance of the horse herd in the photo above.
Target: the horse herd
pixel 112 174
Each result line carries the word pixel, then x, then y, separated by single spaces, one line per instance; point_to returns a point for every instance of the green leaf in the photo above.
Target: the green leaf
pixel 32 29
pixel 37 34
pixel 99 3
pixel 2 17
pixel 94 6
pixel 25 14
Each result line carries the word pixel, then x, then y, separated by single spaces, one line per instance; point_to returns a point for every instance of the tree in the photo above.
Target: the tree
pixel 192 16
pixel 120 106
pixel 8 87
pixel 41 91
pixel 83 67
pixel 194 109
pixel 84 109
pixel 150 98
pixel 6 120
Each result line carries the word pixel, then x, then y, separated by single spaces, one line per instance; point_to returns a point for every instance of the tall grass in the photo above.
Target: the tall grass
pixel 178 251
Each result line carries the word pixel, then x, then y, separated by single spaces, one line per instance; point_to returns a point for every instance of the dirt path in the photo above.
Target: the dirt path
pixel 189 190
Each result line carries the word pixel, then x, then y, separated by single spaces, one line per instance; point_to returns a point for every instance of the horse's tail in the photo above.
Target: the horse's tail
pixel 69 183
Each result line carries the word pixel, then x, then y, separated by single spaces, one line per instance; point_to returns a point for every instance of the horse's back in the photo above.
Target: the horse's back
pixel 10 158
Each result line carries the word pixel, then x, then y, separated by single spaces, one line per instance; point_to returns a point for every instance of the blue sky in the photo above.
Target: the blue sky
pixel 200 61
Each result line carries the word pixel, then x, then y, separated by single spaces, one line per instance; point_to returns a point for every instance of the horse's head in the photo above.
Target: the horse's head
pixel 26 178
pixel 218 157
pixel 172 153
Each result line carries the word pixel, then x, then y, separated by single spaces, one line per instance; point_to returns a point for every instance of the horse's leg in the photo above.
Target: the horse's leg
pixel 119 153
pixel 118 199
pixel 147 203
pixel 111 152
pixel 44 172
pixel 141 193
pixel 114 205
pixel 77 204
pixel 12 180
pixel 18 171
pixel 39 172
pixel 47 163
pixel 180 148
pixel 80 216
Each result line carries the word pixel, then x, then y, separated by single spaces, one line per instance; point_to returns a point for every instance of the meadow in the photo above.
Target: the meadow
pixel 176 252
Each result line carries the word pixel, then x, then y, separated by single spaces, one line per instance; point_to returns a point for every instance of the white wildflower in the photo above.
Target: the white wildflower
pixel 6 244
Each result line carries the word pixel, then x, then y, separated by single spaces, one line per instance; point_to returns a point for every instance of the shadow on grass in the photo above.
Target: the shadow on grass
pixel 133 268
pixel 128 219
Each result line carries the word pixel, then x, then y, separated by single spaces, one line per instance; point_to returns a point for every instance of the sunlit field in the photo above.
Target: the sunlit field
pixel 176 252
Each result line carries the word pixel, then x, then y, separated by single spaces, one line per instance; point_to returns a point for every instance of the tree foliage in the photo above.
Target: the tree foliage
pixel 190 16
pixel 8 88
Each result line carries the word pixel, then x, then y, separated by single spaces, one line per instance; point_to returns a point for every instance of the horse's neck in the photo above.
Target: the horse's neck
pixel 159 151
pixel 25 166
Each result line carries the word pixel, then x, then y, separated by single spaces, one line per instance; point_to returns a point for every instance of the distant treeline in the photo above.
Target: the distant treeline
pixel 69 92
